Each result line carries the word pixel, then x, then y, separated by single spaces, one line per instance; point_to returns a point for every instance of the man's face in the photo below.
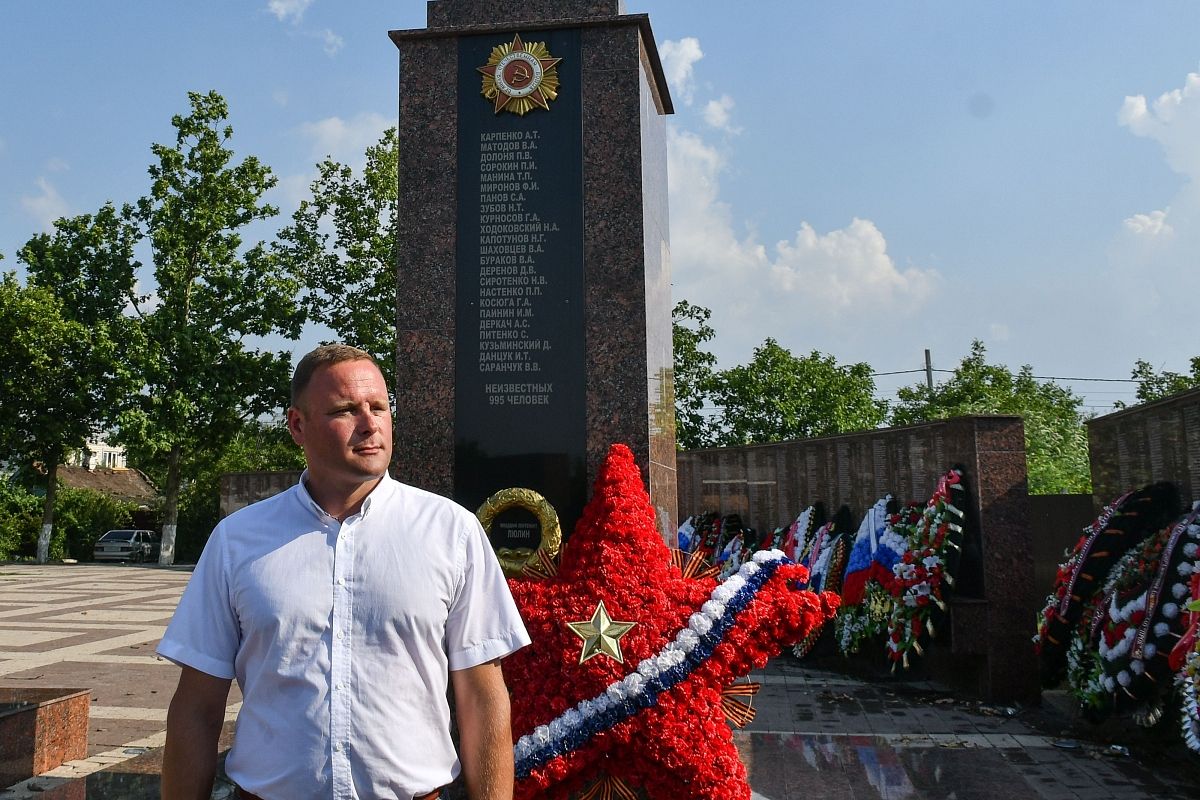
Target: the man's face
pixel 344 424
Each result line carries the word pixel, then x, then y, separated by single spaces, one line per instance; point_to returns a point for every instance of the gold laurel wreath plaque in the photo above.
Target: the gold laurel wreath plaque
pixel 513 559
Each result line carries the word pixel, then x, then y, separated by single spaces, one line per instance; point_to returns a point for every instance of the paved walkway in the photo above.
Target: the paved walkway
pixel 817 733
pixel 95 627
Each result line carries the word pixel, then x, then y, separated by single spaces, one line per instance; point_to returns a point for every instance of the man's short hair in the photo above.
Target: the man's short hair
pixel 323 356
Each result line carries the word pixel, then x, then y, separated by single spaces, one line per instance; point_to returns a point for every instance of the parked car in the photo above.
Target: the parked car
pixel 128 545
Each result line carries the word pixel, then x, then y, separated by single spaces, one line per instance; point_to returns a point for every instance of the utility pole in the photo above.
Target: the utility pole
pixel 928 370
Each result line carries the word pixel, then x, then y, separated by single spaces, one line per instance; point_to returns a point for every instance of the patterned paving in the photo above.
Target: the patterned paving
pixel 95 627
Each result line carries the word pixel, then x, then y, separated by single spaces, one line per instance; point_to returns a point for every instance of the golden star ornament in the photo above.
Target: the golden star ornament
pixel 601 635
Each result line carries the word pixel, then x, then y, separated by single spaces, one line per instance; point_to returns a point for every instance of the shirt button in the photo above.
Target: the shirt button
pixel 341 581
pixel 341 635
pixel 337 746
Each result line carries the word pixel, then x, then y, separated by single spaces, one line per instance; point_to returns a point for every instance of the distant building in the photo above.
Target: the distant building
pixel 99 454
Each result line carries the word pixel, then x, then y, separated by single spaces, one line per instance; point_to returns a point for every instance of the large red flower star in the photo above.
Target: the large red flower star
pixel 680 746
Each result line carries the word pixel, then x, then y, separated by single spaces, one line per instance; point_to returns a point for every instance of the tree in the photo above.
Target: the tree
pixel 87 265
pixel 342 246
pixel 1153 385
pixel 56 378
pixel 257 446
pixel 694 375
pixel 88 262
pixel 1055 437
pixel 779 396
pixel 203 378
pixel 19 515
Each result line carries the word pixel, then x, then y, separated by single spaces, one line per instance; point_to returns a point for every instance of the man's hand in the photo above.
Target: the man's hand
pixel 485 732
pixel 193 728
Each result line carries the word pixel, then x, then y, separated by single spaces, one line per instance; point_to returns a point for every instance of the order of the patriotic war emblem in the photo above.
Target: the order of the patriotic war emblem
pixel 520 77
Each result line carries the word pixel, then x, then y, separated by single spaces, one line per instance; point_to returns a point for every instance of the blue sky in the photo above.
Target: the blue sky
pixel 867 179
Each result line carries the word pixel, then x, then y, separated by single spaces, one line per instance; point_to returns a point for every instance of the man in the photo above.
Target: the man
pixel 340 606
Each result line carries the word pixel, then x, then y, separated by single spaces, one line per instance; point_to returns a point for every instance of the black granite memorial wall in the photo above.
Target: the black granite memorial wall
pixel 519 335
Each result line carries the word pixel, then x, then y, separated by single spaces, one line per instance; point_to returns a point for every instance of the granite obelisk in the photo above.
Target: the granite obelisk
pixel 533 314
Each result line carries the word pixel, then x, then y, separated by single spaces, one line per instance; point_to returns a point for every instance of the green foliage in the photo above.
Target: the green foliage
pixel 779 396
pixel 776 397
pixel 70 358
pixel 83 515
pixel 694 375
pixel 61 371
pixel 256 447
pixel 1154 385
pixel 88 262
pixel 342 246
pixel 1056 447
pixel 44 376
pixel 203 379
pixel 20 511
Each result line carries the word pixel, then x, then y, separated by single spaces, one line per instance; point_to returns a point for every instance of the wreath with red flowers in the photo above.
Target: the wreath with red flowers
pixel 1121 525
pixel 920 578
pixel 641 710
pixel 1142 619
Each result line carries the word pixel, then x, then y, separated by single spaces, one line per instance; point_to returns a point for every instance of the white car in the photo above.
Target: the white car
pixel 128 545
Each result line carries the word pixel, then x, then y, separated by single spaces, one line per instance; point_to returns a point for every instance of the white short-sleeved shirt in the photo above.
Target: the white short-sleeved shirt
pixel 341 637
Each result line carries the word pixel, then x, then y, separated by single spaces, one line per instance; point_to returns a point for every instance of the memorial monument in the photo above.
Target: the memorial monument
pixel 533 314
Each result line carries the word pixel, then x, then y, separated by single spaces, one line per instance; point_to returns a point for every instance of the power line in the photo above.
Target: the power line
pixel 1037 377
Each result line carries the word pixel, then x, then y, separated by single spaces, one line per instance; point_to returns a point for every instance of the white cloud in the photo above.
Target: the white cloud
pixel 846 268
pixel 717 114
pixel 1152 224
pixel 1173 121
pixel 57 164
pixel 1152 257
pixel 331 42
pixel 345 140
pixel 678 59
pixel 827 274
pixel 47 206
pixel 289 10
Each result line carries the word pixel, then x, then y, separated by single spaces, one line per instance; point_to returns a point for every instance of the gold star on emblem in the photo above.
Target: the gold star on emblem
pixel 601 635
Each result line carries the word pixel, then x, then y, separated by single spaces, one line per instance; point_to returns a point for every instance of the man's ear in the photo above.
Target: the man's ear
pixel 295 425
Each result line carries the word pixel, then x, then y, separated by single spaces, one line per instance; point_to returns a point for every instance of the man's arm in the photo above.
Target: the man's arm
pixel 193 728
pixel 485 732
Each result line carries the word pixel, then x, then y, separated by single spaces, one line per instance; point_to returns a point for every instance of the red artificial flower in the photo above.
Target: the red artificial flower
pixel 617 556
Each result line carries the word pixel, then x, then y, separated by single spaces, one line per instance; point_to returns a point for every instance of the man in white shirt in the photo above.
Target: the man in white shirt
pixel 343 607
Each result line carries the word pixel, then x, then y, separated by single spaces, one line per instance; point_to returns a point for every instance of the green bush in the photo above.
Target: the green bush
pixel 81 516
pixel 20 520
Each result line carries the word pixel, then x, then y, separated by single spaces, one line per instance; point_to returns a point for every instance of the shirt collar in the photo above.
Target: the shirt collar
pixel 384 489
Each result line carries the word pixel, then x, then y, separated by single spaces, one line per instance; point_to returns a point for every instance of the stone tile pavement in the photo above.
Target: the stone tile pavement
pixel 95 627
pixel 817 733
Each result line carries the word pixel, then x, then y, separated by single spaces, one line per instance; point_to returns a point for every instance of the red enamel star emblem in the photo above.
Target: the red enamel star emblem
pixel 681 746
pixel 520 77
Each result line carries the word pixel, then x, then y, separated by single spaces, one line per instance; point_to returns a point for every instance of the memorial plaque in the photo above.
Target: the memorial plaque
pixel 520 415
